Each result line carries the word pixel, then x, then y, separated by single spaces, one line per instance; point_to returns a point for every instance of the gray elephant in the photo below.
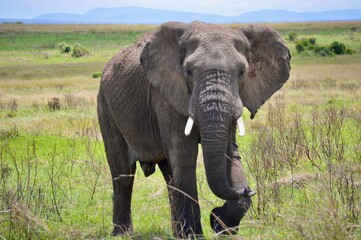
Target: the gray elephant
pixel 201 72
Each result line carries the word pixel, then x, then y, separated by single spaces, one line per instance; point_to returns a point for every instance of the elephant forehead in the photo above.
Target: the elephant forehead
pixel 214 46
pixel 220 36
pixel 205 27
pixel 203 31
pixel 217 41
pixel 211 42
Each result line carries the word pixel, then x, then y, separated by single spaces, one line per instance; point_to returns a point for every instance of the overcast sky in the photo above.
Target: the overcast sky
pixel 33 8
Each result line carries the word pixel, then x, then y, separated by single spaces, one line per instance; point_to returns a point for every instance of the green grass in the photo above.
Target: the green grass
pixel 29 41
pixel 54 178
pixel 49 184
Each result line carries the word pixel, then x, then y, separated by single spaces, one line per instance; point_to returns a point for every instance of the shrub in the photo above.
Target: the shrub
pixel 79 51
pixel 64 47
pixel 348 51
pixel 338 48
pixel 305 44
pixel 97 75
pixel 309 44
pixel 300 47
pixel 54 104
pixel 312 41
pixel 323 51
pixel 292 36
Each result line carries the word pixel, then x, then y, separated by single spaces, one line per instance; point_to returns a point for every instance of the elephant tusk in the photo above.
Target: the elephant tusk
pixel 241 128
pixel 189 126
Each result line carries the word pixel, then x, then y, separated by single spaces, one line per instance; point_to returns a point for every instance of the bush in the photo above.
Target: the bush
pixel 348 51
pixel 79 51
pixel 300 47
pixel 305 44
pixel 309 44
pixel 312 41
pixel 338 48
pixel 64 47
pixel 54 104
pixel 323 51
pixel 292 36
pixel 97 75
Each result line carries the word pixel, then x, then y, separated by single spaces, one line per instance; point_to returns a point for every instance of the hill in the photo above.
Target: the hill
pixel 136 15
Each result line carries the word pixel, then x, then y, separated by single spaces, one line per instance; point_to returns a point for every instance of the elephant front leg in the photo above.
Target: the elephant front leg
pixel 183 197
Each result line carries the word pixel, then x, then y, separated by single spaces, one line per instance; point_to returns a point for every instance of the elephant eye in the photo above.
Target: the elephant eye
pixel 189 73
pixel 241 72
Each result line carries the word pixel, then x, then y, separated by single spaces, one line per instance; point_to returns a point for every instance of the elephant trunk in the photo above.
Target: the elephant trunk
pixel 217 112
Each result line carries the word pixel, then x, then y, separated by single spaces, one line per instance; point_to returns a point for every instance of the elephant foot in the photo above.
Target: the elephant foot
pixel 225 220
pixel 189 235
pixel 190 232
pixel 123 230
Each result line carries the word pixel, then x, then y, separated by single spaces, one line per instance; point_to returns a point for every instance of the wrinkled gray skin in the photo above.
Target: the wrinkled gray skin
pixel 148 91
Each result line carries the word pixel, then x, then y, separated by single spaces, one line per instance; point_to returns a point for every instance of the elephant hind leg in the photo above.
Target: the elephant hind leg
pixel 122 169
pixel 123 179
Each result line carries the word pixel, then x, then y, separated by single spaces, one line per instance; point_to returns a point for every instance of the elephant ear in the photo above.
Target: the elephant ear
pixel 269 66
pixel 161 59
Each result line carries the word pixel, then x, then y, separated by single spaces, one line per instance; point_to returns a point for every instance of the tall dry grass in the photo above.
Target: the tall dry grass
pixel 306 167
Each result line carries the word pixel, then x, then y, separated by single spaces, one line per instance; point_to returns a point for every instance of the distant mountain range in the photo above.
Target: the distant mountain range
pixel 136 15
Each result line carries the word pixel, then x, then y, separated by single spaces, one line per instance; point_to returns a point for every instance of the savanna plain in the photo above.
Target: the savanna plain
pixel 302 152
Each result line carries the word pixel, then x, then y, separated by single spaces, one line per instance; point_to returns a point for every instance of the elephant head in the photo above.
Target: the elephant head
pixel 209 73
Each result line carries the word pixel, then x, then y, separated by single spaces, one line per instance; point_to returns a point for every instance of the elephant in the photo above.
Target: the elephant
pixel 179 86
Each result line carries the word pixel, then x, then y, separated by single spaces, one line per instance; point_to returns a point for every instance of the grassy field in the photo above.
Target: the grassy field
pixel 302 152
